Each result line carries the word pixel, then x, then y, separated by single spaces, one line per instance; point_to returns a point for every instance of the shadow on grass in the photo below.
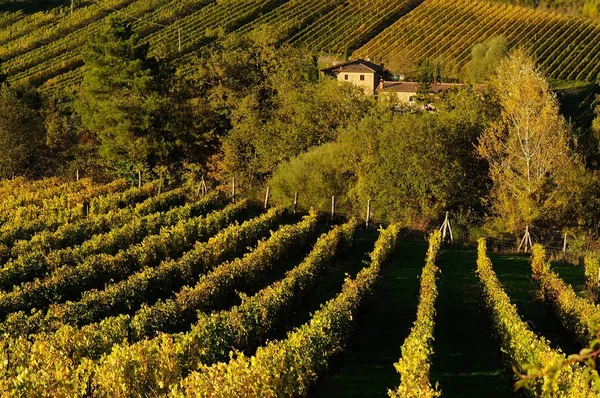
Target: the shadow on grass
pixel 366 367
pixel 514 273
pixel 467 359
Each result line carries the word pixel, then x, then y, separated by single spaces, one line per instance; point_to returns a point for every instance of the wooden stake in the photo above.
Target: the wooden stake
pixel 295 203
pixel 332 208
pixel 202 190
pixel 368 212
pixel 139 178
pixel 179 32
pixel 446 229
pixel 565 246
pixel 526 241
pixel 77 175
pixel 160 184
pixel 233 190
pixel 72 6
pixel 267 198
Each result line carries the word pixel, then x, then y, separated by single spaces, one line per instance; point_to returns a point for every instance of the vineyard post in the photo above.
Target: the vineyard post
pixel 77 175
pixel 295 203
pixel 368 213
pixel 267 198
pixel 179 33
pixel 526 241
pixel 564 250
pixel 233 190
pixel 332 208
pixel 446 229
pixel 72 6
pixel 139 178
pixel 160 184
pixel 202 190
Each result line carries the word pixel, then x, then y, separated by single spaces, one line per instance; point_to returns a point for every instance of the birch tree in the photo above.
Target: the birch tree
pixel 527 147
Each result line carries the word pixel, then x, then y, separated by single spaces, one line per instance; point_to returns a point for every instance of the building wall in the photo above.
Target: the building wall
pixel 368 84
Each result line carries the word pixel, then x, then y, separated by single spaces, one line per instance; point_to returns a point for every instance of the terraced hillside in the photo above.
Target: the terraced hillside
pixel 45 48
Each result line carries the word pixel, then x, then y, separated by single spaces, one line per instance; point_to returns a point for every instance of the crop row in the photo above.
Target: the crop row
pixel 188 276
pixel 564 46
pixel 60 210
pixel 69 282
pixel 579 315
pixel 290 367
pixel 72 44
pixel 24 194
pixel 77 347
pixel 415 362
pixel 76 233
pixel 244 327
pixel 350 25
pixel 54 213
pixel 16 24
pixel 529 354
pixel 135 229
pixel 50 32
pixel 222 15
pixel 591 268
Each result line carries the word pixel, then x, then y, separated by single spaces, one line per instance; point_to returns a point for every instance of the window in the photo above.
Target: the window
pixel 345 77
pixel 362 78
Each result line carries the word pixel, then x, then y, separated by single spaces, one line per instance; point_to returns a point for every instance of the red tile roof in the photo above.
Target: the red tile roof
pixel 359 65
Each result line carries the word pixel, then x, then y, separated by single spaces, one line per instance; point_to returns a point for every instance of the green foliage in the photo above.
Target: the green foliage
pixel 21 136
pixel 532 167
pixel 417 349
pixel 591 269
pixel 485 58
pixel 123 99
pixel 580 316
pixel 289 367
pixel 316 175
pixel 430 170
pixel 545 372
pixel 273 103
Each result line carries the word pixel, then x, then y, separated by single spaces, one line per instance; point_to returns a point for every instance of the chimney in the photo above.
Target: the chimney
pixel 381 85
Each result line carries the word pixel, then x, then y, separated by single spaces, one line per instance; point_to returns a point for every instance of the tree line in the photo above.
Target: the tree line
pixel 502 157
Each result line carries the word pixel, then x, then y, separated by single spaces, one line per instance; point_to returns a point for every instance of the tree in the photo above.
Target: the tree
pixel 273 107
pixel 527 148
pixel 71 146
pixel 485 58
pixel 417 166
pixel 124 99
pixel 21 136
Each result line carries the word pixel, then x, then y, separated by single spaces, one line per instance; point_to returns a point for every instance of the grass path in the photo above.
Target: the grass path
pixel 571 274
pixel 467 360
pixel 514 273
pixel 366 368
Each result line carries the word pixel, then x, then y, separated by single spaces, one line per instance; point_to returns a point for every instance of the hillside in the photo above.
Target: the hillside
pixel 45 48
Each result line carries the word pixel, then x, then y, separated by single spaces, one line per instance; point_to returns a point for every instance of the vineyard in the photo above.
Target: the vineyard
pixel 112 290
pixel 565 48
pixel 45 49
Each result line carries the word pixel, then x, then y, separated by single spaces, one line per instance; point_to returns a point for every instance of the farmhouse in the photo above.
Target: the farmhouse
pixel 361 73
pixel 370 77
